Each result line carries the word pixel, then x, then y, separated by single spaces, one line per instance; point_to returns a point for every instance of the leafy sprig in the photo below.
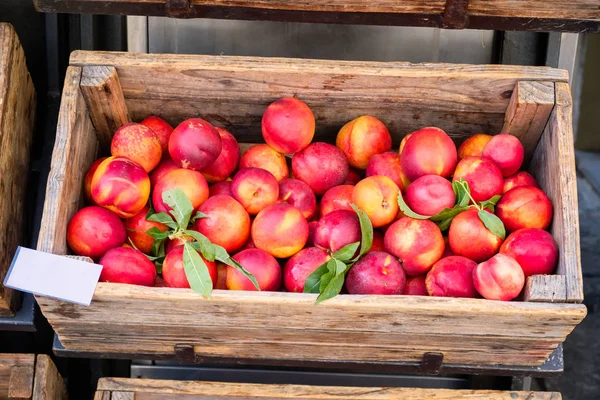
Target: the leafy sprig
pixel 328 279
pixel 181 216
pixel 464 201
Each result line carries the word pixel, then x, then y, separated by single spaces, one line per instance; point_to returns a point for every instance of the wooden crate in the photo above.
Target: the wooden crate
pixel 536 15
pixel 103 90
pixel 25 376
pixel 17 112
pixel 149 389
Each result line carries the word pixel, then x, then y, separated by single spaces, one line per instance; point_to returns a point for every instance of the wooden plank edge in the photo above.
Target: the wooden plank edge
pixel 546 288
pixel 83 58
pixel 564 111
pixel 431 20
pixel 286 391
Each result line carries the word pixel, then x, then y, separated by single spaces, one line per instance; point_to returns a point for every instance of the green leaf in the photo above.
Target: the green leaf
pixel 198 215
pixel 491 203
pixel 493 223
pixel 158 265
pixel 340 268
pixel 181 207
pixel 332 289
pixel 206 247
pixel 346 252
pixel 163 218
pixel 158 247
pixel 448 213
pixel 157 234
pixel 196 271
pixel 150 211
pixel 221 255
pixel 313 281
pixel 328 276
pixel 407 211
pixel 366 229
pixel 462 192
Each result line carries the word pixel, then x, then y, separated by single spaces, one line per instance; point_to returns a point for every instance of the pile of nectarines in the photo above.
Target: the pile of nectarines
pixel 283 208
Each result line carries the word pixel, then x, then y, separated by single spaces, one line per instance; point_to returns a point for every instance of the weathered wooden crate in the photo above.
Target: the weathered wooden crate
pixel 25 376
pixel 149 389
pixel 103 90
pixel 536 15
pixel 17 112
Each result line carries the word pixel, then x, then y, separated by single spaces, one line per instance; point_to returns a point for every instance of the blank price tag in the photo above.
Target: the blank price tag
pixel 54 276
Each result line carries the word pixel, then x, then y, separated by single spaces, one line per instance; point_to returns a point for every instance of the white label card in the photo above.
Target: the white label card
pixel 54 276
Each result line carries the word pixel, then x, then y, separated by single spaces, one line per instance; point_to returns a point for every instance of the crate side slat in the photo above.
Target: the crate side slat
pixel 285 345
pixel 147 389
pixel 553 165
pixel 17 115
pixel 233 92
pixel 74 151
pixel 465 330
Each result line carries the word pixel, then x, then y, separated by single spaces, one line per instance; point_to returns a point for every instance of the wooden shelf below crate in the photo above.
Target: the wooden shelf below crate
pixel 521 15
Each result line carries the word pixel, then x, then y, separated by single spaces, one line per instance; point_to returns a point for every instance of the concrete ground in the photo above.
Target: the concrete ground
pixel 581 380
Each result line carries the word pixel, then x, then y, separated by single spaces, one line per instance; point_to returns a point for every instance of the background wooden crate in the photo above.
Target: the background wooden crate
pixel 25 376
pixel 17 113
pixel 538 15
pixel 104 90
pixel 147 389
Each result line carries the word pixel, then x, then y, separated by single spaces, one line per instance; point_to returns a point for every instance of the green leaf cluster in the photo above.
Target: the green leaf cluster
pixel 328 279
pixel 464 201
pixel 181 216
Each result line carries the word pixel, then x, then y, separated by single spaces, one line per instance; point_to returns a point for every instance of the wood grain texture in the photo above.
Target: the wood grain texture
pixel 74 151
pixel 546 288
pixel 20 382
pixel 7 363
pixel 147 389
pixel 528 111
pixel 538 15
pixel 553 165
pixel 17 115
pixel 559 9
pixel 460 99
pixel 102 395
pixel 48 383
pixel 104 98
pixel 123 396
pixel 380 328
